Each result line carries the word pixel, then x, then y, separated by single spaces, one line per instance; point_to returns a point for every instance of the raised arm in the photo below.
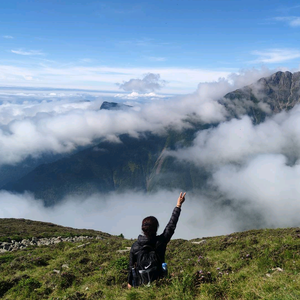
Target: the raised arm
pixel 170 228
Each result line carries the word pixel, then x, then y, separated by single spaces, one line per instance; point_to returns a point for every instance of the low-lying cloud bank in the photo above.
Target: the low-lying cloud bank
pixel 255 204
pixel 119 213
pixel 238 140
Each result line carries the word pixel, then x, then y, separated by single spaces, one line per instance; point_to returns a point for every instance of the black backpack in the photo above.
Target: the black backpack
pixel 149 265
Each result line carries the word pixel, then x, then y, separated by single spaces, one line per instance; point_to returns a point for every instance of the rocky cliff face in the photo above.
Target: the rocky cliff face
pixel 280 91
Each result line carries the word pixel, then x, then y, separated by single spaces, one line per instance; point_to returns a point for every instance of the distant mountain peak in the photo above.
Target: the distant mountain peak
pixel 114 106
pixel 269 95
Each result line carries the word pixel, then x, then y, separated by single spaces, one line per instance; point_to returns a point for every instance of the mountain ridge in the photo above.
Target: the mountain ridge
pixel 269 95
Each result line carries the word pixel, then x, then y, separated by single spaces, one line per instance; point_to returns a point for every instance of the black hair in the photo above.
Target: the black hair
pixel 150 226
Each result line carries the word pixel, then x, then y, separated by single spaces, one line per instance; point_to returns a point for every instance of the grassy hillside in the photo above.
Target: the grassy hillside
pixel 18 229
pixel 256 264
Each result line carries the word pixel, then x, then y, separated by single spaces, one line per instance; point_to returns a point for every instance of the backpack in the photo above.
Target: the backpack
pixel 149 266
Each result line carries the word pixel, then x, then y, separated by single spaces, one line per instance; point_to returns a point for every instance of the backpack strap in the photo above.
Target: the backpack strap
pixel 146 247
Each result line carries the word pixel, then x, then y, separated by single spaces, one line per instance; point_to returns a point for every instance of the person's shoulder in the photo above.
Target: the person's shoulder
pixel 160 238
pixel 135 246
pixel 134 243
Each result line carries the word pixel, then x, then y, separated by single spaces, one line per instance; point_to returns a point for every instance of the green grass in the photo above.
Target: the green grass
pixel 18 229
pixel 256 264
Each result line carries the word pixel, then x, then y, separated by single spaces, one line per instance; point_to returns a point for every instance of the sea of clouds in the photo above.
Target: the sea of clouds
pixel 255 167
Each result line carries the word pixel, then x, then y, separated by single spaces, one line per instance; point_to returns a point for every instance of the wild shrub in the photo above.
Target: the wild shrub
pixel 185 287
pixel 96 295
pixel 132 295
pixel 41 261
pixel 5 286
pixel 6 258
pixel 26 287
pixel 66 279
pixel 120 263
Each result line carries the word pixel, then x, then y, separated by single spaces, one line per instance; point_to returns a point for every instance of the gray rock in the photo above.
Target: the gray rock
pixel 14 246
pixel 83 245
pixel 199 242
pixel 6 246
pixel 124 250
pixel 65 266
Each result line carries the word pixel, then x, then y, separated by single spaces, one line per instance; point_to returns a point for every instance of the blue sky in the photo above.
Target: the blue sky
pixel 96 44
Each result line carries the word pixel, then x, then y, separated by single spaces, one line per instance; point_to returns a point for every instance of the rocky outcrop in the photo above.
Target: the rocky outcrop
pixel 18 245
pixel 114 106
pixel 269 95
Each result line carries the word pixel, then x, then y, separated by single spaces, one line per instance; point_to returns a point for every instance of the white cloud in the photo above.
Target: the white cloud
pixel 7 36
pixel 293 21
pixel 264 194
pixel 135 96
pixel 59 123
pixel 150 82
pixel 154 58
pixel 29 52
pixel 35 128
pixel 180 80
pixel 9 74
pixel 255 167
pixel 123 213
pixel 86 60
pixel 267 184
pixel 276 55
pixel 237 141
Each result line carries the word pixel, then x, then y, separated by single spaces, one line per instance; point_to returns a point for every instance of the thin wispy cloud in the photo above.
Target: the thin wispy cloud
pixel 275 55
pixel 28 53
pixel 95 77
pixel 154 58
pixel 143 42
pixel 292 21
pixel 86 60
pixel 7 37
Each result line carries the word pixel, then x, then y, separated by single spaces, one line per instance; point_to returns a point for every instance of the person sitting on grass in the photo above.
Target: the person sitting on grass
pixel 148 253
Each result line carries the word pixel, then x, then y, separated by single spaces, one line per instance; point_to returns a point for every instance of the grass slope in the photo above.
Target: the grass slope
pixel 18 229
pixel 256 264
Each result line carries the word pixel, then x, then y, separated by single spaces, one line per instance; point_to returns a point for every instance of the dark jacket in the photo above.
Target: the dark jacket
pixel 160 242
